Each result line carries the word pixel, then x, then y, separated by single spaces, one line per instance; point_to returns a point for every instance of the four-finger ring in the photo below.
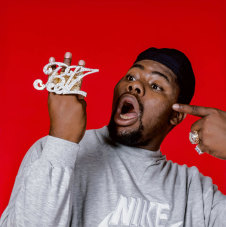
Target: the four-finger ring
pixel 194 137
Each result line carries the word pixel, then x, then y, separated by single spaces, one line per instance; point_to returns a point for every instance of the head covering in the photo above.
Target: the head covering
pixel 179 64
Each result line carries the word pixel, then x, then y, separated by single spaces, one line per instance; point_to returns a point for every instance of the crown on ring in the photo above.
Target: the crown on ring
pixel 67 81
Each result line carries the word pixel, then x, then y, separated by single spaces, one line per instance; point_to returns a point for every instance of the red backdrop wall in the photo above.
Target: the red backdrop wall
pixel 108 35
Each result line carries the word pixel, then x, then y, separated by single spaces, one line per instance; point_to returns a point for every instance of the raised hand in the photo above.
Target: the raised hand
pixel 67 112
pixel 211 128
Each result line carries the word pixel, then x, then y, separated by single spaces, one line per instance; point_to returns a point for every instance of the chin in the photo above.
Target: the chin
pixel 129 136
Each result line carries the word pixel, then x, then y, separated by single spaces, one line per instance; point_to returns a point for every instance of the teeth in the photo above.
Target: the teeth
pixel 125 117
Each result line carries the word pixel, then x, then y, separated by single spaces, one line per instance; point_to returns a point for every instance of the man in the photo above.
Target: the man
pixel 116 175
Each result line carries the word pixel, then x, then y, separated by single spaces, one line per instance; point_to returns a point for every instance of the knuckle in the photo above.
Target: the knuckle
pixel 205 133
pixel 204 140
pixel 215 111
pixel 194 109
pixel 205 123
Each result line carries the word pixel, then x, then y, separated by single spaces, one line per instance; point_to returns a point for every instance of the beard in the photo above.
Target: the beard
pixel 127 137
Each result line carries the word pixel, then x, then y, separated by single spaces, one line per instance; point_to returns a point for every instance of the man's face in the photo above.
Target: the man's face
pixel 142 105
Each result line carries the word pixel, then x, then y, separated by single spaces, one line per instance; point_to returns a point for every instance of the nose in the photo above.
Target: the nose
pixel 136 88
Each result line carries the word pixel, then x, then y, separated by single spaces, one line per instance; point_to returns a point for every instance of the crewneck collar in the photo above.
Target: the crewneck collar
pixel 103 135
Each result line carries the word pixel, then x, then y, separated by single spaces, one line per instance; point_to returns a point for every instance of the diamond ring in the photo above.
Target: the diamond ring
pixel 194 137
pixel 198 150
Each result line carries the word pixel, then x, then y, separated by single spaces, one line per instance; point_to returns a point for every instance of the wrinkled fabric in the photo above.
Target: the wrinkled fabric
pixel 100 183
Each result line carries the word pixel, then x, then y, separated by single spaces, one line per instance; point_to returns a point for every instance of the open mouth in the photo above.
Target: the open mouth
pixel 127 112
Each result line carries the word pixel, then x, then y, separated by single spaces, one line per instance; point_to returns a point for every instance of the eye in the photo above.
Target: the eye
pixel 130 78
pixel 156 87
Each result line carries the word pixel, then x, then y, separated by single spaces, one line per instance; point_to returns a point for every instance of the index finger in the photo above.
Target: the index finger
pixel 198 111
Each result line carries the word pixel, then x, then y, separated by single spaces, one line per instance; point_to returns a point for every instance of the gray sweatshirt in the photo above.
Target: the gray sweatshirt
pixel 100 183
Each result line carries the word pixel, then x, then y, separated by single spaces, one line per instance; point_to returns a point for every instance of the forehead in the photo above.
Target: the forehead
pixel 149 66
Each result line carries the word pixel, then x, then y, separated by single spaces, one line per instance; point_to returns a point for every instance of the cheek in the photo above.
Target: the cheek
pixel 155 111
pixel 118 90
pixel 120 85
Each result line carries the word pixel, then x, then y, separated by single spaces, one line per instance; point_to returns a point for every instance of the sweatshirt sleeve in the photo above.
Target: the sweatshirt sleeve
pixel 216 201
pixel 213 201
pixel 42 193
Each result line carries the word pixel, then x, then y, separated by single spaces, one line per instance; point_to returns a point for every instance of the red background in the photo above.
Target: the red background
pixel 108 35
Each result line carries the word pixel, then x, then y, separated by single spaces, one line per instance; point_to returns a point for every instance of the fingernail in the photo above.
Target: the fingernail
pixel 68 55
pixel 176 106
pixel 52 59
pixel 81 62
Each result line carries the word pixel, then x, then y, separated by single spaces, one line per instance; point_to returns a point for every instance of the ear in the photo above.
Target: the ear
pixel 177 117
